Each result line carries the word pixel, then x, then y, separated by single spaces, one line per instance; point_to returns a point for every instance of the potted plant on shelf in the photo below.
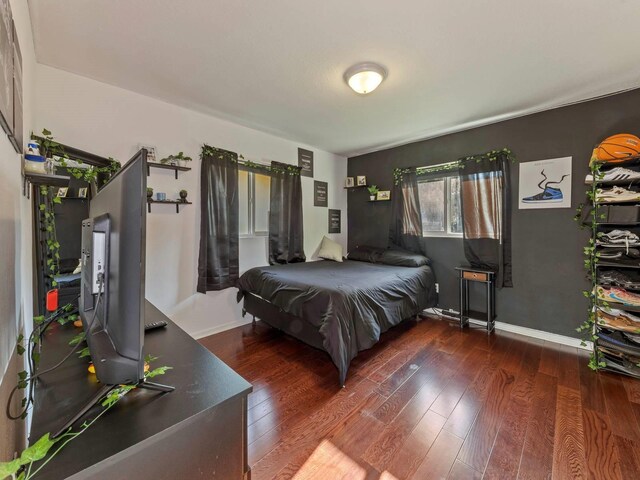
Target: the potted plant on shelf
pixel 176 159
pixel 183 195
pixel 373 190
pixel 149 192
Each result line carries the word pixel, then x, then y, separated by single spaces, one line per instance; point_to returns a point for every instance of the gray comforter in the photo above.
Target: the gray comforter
pixel 351 303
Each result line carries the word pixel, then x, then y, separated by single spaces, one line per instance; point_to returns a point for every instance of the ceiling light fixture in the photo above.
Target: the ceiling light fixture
pixel 364 78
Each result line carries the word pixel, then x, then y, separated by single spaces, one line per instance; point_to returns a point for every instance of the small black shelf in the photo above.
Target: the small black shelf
pixel 43 179
pixel 357 186
pixel 177 203
pixel 376 201
pixel 175 168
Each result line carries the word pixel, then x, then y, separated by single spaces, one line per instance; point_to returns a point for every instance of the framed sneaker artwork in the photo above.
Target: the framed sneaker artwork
pixel 545 184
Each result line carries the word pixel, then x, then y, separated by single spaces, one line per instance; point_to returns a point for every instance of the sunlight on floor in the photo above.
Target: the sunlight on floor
pixel 330 463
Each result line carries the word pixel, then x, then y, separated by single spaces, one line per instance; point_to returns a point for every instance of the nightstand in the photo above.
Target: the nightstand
pixel 488 277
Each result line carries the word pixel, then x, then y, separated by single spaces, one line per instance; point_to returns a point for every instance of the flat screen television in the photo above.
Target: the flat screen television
pixel 112 294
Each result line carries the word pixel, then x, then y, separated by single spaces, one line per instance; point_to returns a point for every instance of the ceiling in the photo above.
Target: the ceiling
pixel 277 65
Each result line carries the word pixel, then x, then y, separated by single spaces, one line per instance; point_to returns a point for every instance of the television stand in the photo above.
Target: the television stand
pixel 198 431
pixel 103 392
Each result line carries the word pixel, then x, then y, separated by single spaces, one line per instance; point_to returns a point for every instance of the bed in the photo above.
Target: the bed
pixel 339 307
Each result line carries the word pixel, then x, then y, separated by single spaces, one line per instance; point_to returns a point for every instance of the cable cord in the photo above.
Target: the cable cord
pixel 37 375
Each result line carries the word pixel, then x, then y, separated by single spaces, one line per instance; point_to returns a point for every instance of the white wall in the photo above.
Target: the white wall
pixel 110 121
pixel 16 297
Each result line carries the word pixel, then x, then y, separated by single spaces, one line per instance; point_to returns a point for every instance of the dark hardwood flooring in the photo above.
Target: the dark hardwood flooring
pixel 431 401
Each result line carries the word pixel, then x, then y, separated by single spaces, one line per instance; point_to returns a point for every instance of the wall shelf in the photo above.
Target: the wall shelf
pixel 43 179
pixel 177 203
pixel 175 168
pixel 356 186
pixel 376 201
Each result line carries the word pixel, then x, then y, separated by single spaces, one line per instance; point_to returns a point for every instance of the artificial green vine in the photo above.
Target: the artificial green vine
pixel 592 256
pixel 284 169
pixel 27 465
pixel 50 148
pixel 457 165
pixel 47 211
pixel 180 156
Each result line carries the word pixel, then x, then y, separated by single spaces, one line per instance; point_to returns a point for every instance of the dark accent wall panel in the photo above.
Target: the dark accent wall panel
pixel 548 273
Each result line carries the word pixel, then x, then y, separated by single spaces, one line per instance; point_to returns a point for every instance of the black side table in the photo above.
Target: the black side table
pixel 488 277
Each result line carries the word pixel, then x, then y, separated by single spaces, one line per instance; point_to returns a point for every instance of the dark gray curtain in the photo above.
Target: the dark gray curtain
pixel 485 192
pixel 405 230
pixel 286 239
pixel 218 258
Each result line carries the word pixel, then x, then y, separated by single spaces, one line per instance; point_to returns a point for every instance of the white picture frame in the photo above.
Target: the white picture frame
pixel 349 182
pixel 361 181
pixel 545 184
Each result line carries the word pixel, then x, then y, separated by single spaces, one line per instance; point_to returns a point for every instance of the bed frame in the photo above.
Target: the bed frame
pixel 281 320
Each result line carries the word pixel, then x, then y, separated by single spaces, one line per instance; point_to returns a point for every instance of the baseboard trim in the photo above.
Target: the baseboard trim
pixel 532 332
pixel 219 328
pixel 506 327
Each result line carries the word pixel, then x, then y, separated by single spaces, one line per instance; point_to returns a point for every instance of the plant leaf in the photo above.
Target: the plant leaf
pixel 38 450
pixel 8 469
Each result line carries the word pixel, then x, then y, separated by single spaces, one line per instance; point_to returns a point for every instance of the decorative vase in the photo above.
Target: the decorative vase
pixel 149 193
pixel 183 196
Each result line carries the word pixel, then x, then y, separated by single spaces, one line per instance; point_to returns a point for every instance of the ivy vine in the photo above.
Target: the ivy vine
pixel 591 259
pixel 48 219
pixel 50 148
pixel 457 165
pixel 35 457
pixel 282 168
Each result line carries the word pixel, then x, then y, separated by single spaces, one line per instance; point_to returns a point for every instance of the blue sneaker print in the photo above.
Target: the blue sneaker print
pixel 548 194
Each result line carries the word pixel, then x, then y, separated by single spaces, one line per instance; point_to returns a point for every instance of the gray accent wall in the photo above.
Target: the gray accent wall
pixel 548 273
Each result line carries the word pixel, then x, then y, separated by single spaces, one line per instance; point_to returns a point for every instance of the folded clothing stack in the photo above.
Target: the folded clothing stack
pixel 615 278
pixel 618 238
pixel 619 247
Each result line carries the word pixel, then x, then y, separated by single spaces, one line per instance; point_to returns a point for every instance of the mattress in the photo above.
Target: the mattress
pixel 351 303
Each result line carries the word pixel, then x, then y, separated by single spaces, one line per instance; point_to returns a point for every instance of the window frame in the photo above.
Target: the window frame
pixel 251 204
pixel 447 211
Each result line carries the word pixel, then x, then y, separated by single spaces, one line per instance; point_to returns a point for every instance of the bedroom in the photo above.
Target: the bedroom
pixel 422 397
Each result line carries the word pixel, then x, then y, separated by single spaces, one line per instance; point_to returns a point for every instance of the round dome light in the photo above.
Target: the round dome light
pixel 365 77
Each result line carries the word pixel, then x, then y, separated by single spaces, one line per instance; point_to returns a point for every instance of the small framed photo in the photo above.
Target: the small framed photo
pixel 349 182
pixel 151 151
pixel 62 191
pixel 384 195
pixel 361 180
pixel 82 192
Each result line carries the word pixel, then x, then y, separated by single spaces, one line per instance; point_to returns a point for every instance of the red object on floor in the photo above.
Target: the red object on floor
pixel 52 300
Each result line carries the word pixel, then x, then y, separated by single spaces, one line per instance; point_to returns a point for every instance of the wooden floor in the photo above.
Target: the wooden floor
pixel 430 401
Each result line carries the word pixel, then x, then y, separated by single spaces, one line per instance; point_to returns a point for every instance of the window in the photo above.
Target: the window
pixel 253 203
pixel 440 207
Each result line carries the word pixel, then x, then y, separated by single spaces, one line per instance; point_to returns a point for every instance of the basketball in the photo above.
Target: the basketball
pixel 618 147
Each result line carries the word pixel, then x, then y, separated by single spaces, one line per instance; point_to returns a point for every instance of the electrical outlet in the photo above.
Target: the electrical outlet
pixel 437 288
pixel 99 255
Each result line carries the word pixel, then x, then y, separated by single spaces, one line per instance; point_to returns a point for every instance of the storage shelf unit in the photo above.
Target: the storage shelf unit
pixel 609 354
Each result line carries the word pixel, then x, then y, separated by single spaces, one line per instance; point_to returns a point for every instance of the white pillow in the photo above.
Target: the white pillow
pixel 330 250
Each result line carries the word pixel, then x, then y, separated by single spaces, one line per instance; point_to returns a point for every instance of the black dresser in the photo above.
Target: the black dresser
pixel 197 431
